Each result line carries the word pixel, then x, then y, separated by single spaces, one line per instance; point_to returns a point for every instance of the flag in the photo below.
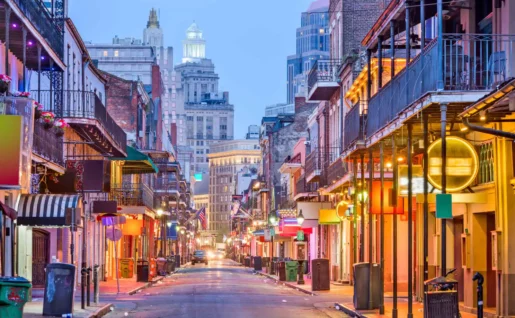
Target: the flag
pixel 202 218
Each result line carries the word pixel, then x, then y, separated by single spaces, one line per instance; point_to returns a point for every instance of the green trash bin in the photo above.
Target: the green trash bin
pixel 291 271
pixel 14 293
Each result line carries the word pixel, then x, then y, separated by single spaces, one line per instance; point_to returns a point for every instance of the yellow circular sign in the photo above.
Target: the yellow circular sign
pixel 341 209
pixel 462 164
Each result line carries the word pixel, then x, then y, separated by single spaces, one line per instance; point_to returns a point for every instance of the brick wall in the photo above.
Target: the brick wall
pixel 157 92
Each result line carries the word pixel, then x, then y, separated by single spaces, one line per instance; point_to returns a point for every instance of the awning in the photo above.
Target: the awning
pixel 328 216
pixel 49 209
pixel 8 211
pixel 307 224
pixel 137 163
pixel 259 233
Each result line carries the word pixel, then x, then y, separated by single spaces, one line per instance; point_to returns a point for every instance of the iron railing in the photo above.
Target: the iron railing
pixel 336 171
pixel 470 62
pixel 40 18
pixel 47 145
pixel 355 120
pixel 165 184
pixel 132 194
pixel 323 71
pixel 318 161
pixel 81 104
pixel 301 186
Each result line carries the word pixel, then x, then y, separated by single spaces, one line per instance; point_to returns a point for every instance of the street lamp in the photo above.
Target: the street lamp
pixel 272 219
pixel 169 223
pixel 160 212
pixel 300 220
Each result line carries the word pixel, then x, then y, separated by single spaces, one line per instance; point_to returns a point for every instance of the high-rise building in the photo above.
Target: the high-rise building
pixel 253 132
pixel 279 109
pixel 312 44
pixel 204 115
pixel 231 167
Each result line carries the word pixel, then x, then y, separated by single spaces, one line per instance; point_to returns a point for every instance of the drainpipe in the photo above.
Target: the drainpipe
pixel 486 130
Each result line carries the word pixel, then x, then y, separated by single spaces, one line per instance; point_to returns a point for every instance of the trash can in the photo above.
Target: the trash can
pixel 247 261
pixel 291 271
pixel 177 261
pixel 170 264
pixel 320 274
pixel 258 265
pixel 441 303
pixel 281 271
pixel 361 286
pixel 126 267
pixel 142 271
pixel 161 266
pixel 59 284
pixel 265 261
pixel 14 293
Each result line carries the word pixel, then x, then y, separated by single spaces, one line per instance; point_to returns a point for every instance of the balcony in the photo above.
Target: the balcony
pixel 304 189
pixel 132 194
pixel 86 113
pixel 323 80
pixel 291 165
pixel 472 65
pixel 336 171
pixel 166 186
pixel 355 121
pixel 317 163
pixel 46 145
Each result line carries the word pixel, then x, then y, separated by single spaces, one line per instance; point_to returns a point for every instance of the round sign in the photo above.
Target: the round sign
pixel 341 209
pixel 462 164
pixel 113 234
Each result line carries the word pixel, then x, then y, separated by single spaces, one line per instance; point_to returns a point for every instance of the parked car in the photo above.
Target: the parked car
pixel 199 257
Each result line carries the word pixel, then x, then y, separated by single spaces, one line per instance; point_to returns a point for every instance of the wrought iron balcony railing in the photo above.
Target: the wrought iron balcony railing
pixel 166 185
pixel 325 73
pixel 470 62
pixel 40 18
pixel 336 171
pixel 301 186
pixel 132 194
pixel 317 163
pixel 81 104
pixel 355 121
pixel 47 145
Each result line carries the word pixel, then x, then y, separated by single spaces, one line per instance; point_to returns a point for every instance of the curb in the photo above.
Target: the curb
pixel 102 311
pixel 149 284
pixel 305 291
pixel 349 311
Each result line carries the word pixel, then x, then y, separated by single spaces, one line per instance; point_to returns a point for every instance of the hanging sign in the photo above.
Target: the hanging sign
pixel 300 235
pixel 462 164
pixel 113 234
pixel 444 206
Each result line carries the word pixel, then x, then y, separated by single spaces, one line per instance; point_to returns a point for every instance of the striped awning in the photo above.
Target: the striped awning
pixel 48 209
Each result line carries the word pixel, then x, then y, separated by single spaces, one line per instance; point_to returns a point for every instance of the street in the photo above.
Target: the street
pixel 221 289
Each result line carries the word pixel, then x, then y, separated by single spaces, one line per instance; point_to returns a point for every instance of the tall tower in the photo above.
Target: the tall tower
pixel 153 35
pixel 194 47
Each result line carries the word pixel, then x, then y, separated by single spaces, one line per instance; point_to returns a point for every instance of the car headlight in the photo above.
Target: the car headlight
pixel 210 255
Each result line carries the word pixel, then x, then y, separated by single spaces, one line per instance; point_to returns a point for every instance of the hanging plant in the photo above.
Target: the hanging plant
pixel 59 126
pixel 20 94
pixel 38 110
pixel 48 119
pixel 4 83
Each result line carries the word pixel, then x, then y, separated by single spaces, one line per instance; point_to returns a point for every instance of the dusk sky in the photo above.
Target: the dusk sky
pixel 247 40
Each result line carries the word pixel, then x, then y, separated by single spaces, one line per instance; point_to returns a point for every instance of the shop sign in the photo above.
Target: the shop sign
pixel 300 235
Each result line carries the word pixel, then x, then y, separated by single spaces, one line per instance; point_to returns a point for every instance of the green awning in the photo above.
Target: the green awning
pixel 137 163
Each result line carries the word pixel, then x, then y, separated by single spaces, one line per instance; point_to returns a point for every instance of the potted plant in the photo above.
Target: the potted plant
pixel 4 83
pixel 59 126
pixel 38 110
pixel 48 119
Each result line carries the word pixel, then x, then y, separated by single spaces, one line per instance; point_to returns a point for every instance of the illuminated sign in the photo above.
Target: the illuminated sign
pixel 417 180
pixel 462 164
pixel 198 176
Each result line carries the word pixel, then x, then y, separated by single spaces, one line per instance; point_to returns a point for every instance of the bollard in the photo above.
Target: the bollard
pixel 88 286
pixel 95 284
pixel 480 280
pixel 83 287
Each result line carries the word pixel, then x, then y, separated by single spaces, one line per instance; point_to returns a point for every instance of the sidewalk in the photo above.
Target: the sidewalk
pixel 35 309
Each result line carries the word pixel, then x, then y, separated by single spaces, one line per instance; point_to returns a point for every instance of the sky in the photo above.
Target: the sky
pixel 248 41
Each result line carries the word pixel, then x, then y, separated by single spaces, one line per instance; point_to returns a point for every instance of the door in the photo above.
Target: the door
pixel 40 256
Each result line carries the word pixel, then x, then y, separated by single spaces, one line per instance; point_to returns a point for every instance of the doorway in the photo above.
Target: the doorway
pixel 40 256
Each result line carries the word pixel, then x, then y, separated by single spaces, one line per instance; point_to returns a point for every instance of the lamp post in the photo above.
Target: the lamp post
pixel 169 225
pixel 160 214
pixel 272 220
pixel 300 220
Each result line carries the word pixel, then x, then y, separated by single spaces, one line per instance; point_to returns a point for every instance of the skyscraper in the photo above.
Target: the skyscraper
pixel 312 44
pixel 204 115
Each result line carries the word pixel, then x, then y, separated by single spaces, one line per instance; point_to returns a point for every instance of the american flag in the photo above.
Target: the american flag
pixel 202 217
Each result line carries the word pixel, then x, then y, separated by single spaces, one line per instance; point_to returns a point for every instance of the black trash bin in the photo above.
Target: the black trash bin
pixel 320 274
pixel 265 262
pixel 142 271
pixel 170 264
pixel 258 265
pixel 281 270
pixel 441 298
pixel 59 284
pixel 361 286
pixel 177 261
pixel 247 261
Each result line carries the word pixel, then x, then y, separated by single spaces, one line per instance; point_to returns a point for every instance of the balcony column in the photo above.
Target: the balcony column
pixel 422 24
pixel 39 72
pixel 443 133
pixel 380 62
pixel 24 57
pixel 408 33
pixel 392 49
pixel 51 73
pixel 370 224
pixel 439 44
pixel 362 203
pixel 8 11
pixel 426 191
pixel 394 215
pixel 369 74
pixel 410 222
pixel 355 209
pixel 381 200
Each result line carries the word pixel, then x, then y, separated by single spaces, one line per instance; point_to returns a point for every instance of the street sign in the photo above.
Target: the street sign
pixel 444 206
pixel 113 234
pixel 300 235
pixel 267 235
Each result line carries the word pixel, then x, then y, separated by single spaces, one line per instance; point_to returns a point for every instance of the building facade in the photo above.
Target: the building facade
pixel 280 108
pixel 226 160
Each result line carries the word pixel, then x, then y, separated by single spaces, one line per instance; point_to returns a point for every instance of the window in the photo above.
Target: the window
pixel 105 53
pixel 200 118
pixel 116 53
pixel 223 137
pixel 223 127
pixel 189 118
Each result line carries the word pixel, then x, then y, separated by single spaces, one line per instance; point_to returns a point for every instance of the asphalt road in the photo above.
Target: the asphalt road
pixel 221 289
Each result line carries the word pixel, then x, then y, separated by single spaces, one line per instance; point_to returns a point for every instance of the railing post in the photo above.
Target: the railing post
pixel 7 31
pixel 439 44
